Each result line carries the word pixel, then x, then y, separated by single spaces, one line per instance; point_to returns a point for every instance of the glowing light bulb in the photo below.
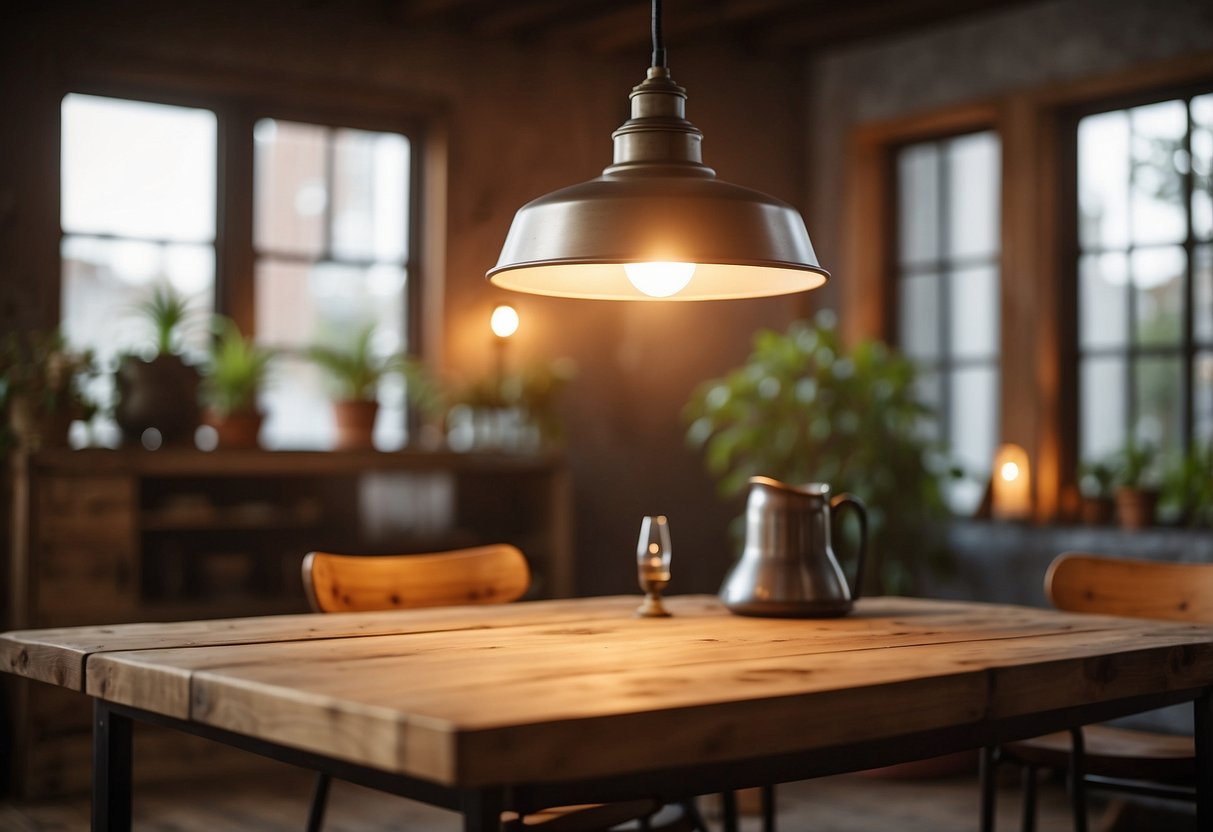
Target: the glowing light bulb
pixel 504 321
pixel 1009 471
pixel 659 279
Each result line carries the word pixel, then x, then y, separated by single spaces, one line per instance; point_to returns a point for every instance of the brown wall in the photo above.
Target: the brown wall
pixel 522 119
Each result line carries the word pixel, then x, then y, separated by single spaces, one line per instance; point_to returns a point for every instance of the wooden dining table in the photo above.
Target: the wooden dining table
pixel 482 709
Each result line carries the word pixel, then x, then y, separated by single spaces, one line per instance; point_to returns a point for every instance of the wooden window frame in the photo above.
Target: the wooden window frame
pixel 239 101
pixel 1038 335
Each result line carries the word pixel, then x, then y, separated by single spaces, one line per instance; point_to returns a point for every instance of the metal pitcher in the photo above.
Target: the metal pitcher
pixel 788 568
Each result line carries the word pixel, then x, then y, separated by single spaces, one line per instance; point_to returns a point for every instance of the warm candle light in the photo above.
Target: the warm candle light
pixel 1011 497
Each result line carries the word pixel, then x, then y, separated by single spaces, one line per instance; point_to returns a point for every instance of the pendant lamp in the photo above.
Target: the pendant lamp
pixel 657 224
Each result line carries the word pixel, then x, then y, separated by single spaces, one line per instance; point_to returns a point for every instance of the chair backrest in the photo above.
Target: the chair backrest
pixel 1135 588
pixel 347 583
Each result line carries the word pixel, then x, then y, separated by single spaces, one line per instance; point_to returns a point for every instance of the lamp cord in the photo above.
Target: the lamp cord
pixel 658 40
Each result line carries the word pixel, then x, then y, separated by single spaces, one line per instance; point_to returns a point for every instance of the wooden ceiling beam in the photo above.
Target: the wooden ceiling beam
pixel 863 19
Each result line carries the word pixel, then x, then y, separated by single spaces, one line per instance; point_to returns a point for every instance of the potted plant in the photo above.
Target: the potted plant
pixel 237 369
pixel 1095 485
pixel 160 392
pixel 1187 490
pixel 805 408
pixel 356 371
pixel 43 387
pixel 1137 486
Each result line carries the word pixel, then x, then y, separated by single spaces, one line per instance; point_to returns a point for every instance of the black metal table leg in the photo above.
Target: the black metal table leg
pixel 481 810
pixel 111 770
pixel 1077 783
pixel 768 808
pixel 1204 761
pixel 728 810
pixel 989 786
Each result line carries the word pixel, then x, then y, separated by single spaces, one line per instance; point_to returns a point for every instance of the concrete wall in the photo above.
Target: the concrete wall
pixel 523 119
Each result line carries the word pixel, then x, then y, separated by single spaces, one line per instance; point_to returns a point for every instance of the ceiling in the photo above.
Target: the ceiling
pixel 608 26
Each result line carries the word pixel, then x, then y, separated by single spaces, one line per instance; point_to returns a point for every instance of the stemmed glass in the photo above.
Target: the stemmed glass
pixel 653 552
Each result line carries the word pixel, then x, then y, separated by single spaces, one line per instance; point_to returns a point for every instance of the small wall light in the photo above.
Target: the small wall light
pixel 1012 486
pixel 504 321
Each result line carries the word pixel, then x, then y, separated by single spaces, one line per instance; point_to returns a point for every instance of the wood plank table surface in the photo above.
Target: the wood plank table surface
pixel 554 702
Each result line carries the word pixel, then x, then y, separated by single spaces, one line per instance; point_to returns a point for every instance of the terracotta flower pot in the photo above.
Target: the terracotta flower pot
pixel 237 430
pixel 355 424
pixel 1135 507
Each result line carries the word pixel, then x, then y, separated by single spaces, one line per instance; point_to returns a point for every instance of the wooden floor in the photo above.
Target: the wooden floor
pixel 852 803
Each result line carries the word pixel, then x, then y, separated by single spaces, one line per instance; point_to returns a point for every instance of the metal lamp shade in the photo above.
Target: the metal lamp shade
pixel 658 203
pixel 574 242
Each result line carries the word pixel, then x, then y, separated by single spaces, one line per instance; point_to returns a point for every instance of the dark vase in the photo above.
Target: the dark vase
pixel 161 394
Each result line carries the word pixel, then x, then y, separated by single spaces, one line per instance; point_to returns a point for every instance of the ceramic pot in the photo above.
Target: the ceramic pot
pixel 161 394
pixel 237 430
pixel 355 424
pixel 1135 507
pixel 1096 511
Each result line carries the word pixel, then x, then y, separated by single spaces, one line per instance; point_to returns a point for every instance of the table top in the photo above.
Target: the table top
pixel 474 696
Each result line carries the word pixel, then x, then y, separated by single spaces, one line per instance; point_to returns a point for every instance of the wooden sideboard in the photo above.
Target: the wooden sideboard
pixel 104 537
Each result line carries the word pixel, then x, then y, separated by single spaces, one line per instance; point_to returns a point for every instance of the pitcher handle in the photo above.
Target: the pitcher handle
pixel 861 511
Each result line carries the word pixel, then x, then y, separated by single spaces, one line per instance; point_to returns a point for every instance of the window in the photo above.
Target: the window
pixel 946 287
pixel 144 201
pixel 330 227
pixel 1145 276
pixel 137 207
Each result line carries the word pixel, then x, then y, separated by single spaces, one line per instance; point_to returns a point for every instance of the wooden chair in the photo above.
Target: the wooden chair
pixel 1135 762
pixel 484 575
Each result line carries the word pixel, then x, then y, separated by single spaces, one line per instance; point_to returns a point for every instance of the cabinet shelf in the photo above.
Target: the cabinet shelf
pixel 103 536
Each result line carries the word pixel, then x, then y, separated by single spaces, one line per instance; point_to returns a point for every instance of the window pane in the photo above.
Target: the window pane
pixel 974 415
pixel 919 316
pixel 1102 404
pixel 1158 157
pixel 1202 166
pixel 299 305
pixel 291 195
pixel 974 314
pixel 104 279
pixel 973 195
pixel 1103 180
pixel 133 169
pixel 1160 402
pixel 1158 279
pixel 370 196
pixel 918 189
pixel 1202 385
pixel 928 389
pixel 1103 300
pixel 1202 298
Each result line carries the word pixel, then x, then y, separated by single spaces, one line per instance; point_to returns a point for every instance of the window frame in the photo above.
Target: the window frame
pixel 944 267
pixel 238 103
pixel 1187 348
pixel 1038 313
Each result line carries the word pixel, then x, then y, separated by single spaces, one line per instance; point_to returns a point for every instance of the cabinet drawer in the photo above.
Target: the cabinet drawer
pixel 85 508
pixel 83 582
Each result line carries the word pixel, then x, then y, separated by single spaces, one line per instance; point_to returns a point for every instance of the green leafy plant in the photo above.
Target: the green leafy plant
pixel 1187 487
pixel 1096 479
pixel 537 391
pixel 1137 466
pixel 804 408
pixel 356 368
pixel 43 379
pixel 237 370
pixel 169 313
